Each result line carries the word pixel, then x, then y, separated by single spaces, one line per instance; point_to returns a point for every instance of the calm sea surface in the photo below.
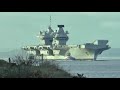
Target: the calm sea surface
pixel 107 68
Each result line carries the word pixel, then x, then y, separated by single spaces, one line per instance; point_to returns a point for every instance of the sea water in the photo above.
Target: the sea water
pixel 109 68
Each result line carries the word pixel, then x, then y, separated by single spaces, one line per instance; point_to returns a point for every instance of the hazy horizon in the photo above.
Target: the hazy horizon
pixel 19 29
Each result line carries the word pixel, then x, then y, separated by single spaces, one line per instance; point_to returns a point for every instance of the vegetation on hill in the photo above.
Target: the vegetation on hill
pixel 27 70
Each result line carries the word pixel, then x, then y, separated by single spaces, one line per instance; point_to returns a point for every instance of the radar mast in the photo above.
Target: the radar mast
pixel 50 23
pixel 49 27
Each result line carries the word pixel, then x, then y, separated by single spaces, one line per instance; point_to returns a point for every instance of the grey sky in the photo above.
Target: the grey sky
pixel 19 29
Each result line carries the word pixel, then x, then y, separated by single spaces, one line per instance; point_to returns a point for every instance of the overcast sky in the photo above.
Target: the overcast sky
pixel 19 29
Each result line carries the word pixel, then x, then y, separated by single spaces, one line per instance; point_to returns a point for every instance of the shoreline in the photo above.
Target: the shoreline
pixel 44 70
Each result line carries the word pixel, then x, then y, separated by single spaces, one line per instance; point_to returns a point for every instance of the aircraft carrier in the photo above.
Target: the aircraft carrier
pixel 53 47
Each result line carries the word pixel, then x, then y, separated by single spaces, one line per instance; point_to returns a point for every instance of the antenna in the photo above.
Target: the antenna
pixel 50 21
